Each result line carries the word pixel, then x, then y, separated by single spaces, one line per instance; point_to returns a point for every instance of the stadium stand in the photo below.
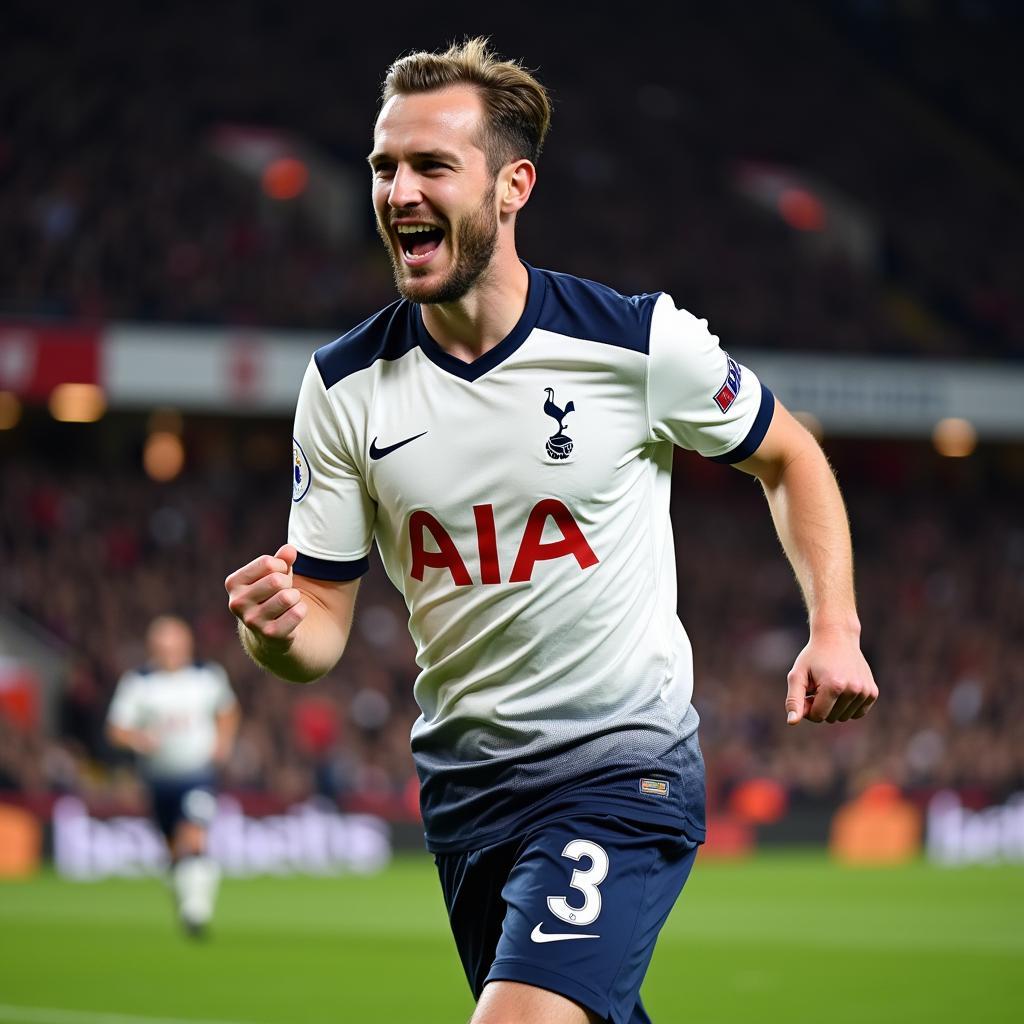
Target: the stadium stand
pixel 941 585
pixel 114 205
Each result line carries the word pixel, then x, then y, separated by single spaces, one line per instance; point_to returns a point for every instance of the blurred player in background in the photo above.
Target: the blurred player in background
pixel 506 436
pixel 180 717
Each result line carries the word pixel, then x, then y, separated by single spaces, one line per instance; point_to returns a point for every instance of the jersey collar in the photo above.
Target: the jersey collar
pixel 495 356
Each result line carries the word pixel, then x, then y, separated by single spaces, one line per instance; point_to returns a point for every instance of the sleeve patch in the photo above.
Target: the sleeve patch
pixel 731 388
pixel 758 429
pixel 301 475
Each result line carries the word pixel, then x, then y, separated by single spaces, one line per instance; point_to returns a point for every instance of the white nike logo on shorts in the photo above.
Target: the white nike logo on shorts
pixel 538 936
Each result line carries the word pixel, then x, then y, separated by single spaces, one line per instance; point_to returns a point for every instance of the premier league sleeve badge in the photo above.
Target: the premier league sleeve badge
pixel 301 475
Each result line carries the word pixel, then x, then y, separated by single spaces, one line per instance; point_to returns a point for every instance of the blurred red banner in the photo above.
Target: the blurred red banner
pixel 34 359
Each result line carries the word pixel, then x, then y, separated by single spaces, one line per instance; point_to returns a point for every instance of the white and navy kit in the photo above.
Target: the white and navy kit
pixel 180 710
pixel 520 503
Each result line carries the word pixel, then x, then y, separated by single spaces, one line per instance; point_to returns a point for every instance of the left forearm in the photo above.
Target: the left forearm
pixel 811 522
pixel 830 681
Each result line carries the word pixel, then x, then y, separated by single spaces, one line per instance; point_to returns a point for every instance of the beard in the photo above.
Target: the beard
pixel 475 240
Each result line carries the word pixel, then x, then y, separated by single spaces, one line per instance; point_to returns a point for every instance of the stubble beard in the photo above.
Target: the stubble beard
pixel 475 242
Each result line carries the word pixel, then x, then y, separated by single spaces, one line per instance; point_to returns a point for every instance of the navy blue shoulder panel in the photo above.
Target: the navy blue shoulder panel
pixel 584 309
pixel 386 335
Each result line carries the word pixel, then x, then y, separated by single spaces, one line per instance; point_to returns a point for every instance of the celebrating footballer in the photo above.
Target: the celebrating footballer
pixel 505 435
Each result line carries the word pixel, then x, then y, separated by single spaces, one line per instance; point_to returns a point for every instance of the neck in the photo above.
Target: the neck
pixel 486 314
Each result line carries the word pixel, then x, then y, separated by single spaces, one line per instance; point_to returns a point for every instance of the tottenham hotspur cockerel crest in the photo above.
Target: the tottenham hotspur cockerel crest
pixel 559 444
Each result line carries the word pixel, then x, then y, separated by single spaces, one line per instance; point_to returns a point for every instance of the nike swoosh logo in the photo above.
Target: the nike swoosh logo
pixel 538 936
pixel 379 453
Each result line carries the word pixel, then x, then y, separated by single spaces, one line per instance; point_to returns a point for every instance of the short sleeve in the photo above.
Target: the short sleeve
pixel 332 514
pixel 698 396
pixel 125 709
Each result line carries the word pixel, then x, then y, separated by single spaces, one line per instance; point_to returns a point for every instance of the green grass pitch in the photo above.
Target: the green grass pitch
pixel 789 938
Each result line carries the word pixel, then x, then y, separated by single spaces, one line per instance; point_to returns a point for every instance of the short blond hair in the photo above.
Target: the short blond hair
pixel 517 109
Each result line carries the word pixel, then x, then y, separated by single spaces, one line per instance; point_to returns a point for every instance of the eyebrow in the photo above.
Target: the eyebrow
pixel 376 159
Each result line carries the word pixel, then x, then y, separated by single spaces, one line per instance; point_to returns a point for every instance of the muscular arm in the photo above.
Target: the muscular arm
pixel 830 680
pixel 294 626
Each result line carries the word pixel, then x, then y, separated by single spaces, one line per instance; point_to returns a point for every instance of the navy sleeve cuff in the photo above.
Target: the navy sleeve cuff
pixel 755 435
pixel 325 569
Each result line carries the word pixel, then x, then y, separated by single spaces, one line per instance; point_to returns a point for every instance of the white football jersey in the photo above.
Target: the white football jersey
pixel 520 503
pixel 180 708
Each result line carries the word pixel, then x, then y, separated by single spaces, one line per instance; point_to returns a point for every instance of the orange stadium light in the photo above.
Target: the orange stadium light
pixel 163 458
pixel 77 403
pixel 10 410
pixel 285 178
pixel 954 437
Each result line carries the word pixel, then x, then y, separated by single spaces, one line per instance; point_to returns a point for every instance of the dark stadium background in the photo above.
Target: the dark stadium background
pixel 837 186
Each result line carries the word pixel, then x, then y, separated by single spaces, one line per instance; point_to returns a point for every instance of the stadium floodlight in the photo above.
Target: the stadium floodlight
pixel 77 403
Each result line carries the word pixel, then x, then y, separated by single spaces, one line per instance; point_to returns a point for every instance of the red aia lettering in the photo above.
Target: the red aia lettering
pixel 487 544
pixel 533 550
pixel 447 555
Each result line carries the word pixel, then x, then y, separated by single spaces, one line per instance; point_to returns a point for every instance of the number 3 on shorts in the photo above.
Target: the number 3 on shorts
pixel 586 882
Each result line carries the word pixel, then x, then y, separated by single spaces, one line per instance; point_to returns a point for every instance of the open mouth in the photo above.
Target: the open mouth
pixel 419 241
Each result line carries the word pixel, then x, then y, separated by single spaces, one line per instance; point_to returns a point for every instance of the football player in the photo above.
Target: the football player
pixel 180 717
pixel 505 435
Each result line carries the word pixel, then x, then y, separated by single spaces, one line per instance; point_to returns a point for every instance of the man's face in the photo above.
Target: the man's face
pixel 433 193
pixel 170 644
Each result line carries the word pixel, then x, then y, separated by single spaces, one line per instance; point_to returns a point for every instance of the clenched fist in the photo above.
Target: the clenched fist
pixel 262 597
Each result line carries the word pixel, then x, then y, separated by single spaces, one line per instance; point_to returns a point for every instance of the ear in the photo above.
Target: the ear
pixel 515 183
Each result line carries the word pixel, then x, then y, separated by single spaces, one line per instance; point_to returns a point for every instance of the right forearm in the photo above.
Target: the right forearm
pixel 310 652
pixel 296 628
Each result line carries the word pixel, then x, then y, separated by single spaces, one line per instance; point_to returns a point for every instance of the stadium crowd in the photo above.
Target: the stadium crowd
pixel 941 591
pixel 114 205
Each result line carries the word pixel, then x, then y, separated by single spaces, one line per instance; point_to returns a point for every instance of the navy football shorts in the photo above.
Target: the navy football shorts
pixel 189 798
pixel 574 906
